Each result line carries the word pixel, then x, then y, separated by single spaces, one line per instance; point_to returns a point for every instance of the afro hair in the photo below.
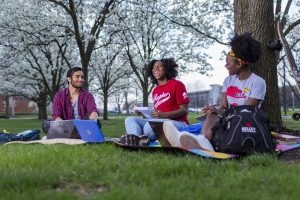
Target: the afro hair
pixel 170 67
pixel 246 47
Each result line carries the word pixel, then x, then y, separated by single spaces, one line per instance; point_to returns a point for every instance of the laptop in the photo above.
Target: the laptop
pixel 87 130
pixel 60 129
pixel 157 127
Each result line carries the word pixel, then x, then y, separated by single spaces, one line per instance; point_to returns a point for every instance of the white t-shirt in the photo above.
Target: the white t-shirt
pixel 238 91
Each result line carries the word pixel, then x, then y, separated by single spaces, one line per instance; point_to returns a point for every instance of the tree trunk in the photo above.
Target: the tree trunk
pixel 126 102
pixel 42 106
pixel 145 97
pixel 85 70
pixel 105 104
pixel 119 109
pixel 146 86
pixel 7 113
pixel 257 17
pixel 42 114
pixel 12 106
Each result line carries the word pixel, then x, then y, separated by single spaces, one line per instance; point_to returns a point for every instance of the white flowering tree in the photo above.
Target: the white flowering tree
pixel 148 34
pixel 109 72
pixel 209 22
pixel 86 19
pixel 37 51
pixel 41 39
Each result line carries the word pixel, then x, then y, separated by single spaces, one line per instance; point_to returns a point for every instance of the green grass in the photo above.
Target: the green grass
pixel 108 172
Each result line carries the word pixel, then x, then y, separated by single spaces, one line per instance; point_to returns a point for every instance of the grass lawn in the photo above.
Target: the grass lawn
pixel 108 172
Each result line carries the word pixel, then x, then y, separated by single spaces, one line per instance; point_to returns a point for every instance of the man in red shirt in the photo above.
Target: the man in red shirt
pixel 74 102
pixel 169 96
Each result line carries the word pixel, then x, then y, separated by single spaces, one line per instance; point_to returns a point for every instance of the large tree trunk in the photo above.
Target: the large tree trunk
pixel 42 114
pixel 145 97
pixel 42 106
pixel 257 16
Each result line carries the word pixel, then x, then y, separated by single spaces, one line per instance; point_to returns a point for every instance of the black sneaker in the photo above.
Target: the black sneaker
pixel 134 140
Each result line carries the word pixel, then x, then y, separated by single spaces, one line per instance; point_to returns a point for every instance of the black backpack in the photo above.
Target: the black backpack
pixel 243 130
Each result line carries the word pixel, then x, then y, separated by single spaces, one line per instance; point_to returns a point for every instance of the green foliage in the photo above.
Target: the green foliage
pixel 109 172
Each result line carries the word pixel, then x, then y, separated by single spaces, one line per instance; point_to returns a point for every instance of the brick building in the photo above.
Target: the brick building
pixel 18 105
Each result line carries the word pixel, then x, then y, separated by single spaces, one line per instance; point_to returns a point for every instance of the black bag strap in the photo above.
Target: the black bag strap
pixel 234 110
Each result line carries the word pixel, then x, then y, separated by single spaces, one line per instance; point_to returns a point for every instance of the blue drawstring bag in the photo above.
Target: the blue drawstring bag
pixel 193 128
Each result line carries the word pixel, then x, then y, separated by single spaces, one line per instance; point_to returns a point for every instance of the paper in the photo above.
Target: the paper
pixel 146 111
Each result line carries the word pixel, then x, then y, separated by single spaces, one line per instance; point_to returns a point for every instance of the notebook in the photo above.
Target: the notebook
pixel 157 127
pixel 87 130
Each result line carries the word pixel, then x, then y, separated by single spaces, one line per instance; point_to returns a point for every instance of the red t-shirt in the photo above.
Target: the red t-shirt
pixel 170 96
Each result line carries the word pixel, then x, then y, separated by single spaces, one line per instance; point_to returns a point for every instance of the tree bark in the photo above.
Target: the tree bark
pixel 42 111
pixel 42 106
pixel 7 113
pixel 105 105
pixel 257 17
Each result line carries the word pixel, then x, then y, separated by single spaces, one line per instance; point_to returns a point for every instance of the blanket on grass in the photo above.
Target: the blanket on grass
pixel 68 141
pixel 50 141
pixel 197 152
pixel 155 146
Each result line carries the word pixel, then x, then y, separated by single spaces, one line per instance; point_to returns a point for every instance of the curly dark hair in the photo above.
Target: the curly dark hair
pixel 71 71
pixel 246 47
pixel 170 67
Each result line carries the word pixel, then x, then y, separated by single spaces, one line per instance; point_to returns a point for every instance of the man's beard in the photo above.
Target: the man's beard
pixel 75 86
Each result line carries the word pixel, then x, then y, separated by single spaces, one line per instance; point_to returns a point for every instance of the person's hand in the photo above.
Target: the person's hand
pixel 157 113
pixel 58 119
pixel 138 113
pixel 209 109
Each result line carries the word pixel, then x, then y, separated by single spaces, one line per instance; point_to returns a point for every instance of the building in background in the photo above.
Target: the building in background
pixel 202 98
pixel 17 105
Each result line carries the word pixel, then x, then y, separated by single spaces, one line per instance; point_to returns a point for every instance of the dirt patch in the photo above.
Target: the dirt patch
pixel 292 156
pixel 81 190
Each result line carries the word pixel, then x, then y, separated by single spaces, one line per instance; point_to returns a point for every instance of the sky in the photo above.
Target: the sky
pixel 197 81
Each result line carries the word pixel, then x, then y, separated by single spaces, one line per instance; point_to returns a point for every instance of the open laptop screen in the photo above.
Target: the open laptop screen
pixel 60 129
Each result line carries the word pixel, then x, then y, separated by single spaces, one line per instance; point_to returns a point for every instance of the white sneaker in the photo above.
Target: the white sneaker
pixel 191 141
pixel 171 133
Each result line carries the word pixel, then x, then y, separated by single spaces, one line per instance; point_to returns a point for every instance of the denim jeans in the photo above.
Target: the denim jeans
pixel 140 126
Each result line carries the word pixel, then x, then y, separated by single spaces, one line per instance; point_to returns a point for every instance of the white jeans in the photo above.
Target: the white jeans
pixel 140 126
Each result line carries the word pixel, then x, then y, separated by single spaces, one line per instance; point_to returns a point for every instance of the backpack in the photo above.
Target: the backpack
pixel 243 130
pixel 27 135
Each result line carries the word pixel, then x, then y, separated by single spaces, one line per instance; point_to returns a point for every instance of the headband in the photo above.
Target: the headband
pixel 237 58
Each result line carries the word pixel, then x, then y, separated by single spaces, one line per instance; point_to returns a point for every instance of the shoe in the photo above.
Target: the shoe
pixel 171 133
pixel 134 140
pixel 190 141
